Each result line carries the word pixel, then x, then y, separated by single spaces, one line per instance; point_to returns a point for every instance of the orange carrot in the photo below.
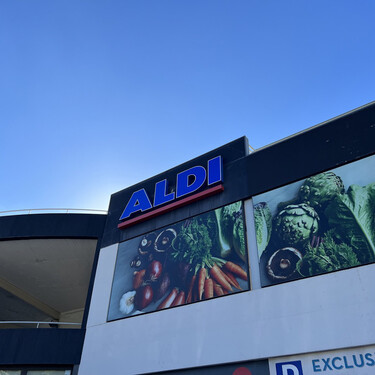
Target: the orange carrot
pixel 218 290
pixel 218 275
pixel 190 291
pixel 236 269
pixel 228 278
pixel 208 289
pixel 231 279
pixel 194 297
pixel 169 299
pixel 179 300
pixel 201 278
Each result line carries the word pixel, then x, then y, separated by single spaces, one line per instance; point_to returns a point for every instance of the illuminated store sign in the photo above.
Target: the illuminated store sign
pixel 188 182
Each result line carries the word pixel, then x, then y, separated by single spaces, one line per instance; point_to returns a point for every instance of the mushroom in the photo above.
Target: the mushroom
pixel 282 263
pixel 147 244
pixel 164 240
pixel 137 262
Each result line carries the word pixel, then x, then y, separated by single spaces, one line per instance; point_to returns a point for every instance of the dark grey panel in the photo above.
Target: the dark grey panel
pixel 52 226
pixel 336 142
pixel 46 345
pixel 41 346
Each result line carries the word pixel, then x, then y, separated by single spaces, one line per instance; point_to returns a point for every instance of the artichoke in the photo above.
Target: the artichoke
pixel 296 224
pixel 317 191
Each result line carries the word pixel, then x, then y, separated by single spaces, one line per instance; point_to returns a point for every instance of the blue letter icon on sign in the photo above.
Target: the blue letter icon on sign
pixel 289 368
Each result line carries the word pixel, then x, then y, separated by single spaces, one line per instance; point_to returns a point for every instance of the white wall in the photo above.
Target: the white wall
pixel 325 312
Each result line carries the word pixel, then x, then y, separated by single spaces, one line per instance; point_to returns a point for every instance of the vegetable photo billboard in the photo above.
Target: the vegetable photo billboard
pixel 193 260
pixel 321 224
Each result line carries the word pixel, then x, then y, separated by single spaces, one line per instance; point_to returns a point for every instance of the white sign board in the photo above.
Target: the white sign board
pixel 355 361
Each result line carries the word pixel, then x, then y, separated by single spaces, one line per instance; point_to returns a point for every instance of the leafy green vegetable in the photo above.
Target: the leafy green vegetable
pixel 328 256
pixel 193 243
pixel 224 249
pixel 317 191
pixel 353 217
pixel 263 225
pixel 296 223
pixel 226 217
pixel 239 238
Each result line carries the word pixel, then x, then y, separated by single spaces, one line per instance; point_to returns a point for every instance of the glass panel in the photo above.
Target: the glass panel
pixel 10 372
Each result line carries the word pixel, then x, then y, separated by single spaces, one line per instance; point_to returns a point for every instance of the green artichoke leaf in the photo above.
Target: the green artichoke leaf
pixel 317 191
pixel 296 224
pixel 352 215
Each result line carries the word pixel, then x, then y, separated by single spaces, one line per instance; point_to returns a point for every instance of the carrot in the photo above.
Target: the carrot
pixel 201 277
pixel 190 291
pixel 208 289
pixel 169 299
pixel 218 290
pixel 179 300
pixel 236 269
pixel 228 278
pixel 194 297
pixel 218 275
pixel 231 279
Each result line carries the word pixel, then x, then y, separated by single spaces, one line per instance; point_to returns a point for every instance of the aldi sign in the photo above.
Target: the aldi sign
pixel 355 361
pixel 192 184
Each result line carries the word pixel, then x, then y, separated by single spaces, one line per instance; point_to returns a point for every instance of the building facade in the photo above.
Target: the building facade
pixel 231 263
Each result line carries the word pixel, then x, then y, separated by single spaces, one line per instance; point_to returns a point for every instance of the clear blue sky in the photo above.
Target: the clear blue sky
pixel 98 95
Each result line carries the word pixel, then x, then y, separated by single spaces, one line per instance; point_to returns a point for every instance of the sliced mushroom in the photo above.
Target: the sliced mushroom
pixel 164 240
pixel 138 262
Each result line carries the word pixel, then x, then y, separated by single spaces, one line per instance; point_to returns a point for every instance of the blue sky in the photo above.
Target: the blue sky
pixel 98 95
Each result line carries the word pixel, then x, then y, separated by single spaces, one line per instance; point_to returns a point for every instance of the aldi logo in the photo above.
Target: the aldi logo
pixel 189 185
pixel 289 368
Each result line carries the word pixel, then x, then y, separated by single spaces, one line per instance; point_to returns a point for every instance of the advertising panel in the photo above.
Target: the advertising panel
pixel 244 368
pixel 321 224
pixel 196 259
pixel 355 361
